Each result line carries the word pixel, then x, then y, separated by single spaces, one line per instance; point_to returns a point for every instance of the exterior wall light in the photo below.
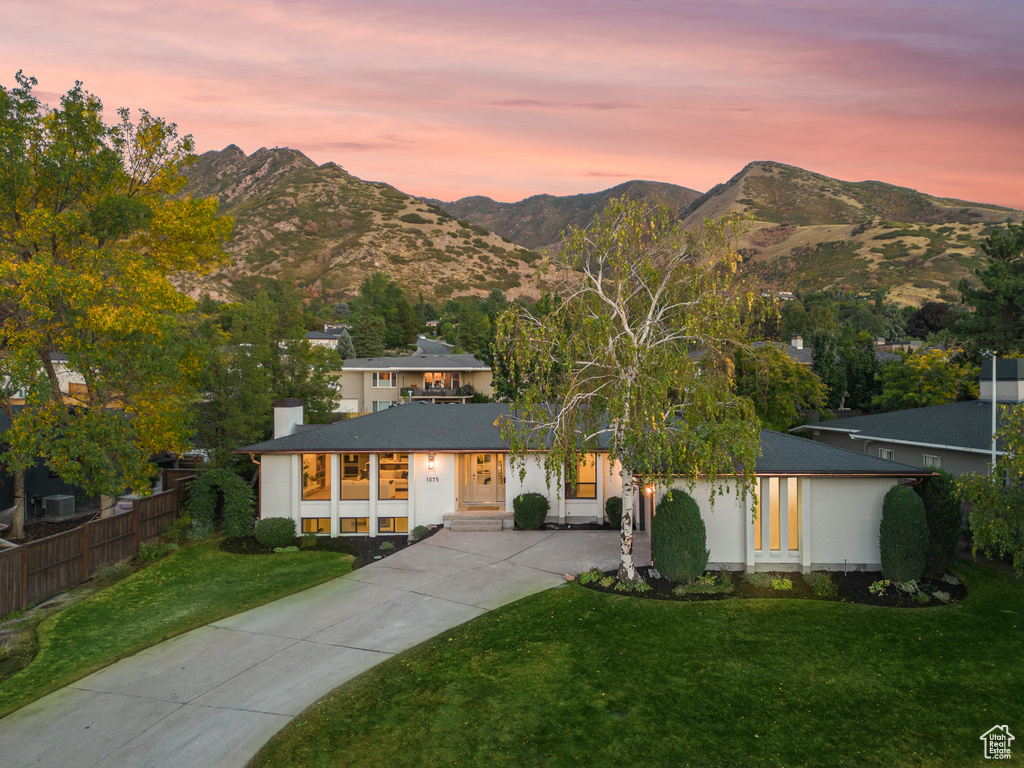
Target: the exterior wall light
pixel 430 462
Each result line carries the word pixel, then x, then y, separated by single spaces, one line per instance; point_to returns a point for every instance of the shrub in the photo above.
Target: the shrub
pixel 275 531
pixel 419 532
pixel 114 572
pixel 179 530
pixel 903 535
pixel 613 511
pixel 529 510
pixel 760 579
pixel 387 546
pixel 239 503
pixel 308 541
pixel 413 218
pixel 679 539
pixel 821 584
pixel 154 551
pixel 942 513
pixel 782 583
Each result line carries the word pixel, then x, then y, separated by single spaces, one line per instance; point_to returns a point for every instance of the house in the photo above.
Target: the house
pixel 371 384
pixel 956 437
pixel 431 464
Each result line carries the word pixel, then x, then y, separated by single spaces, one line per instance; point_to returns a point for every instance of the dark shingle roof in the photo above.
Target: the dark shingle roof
pixel 426 427
pixel 964 426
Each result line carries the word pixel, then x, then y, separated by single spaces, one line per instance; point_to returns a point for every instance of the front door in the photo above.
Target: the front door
pixel 483 478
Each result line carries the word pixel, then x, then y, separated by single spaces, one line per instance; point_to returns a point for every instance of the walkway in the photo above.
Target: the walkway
pixel 214 696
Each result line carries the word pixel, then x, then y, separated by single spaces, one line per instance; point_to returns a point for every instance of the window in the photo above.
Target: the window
pixel 393 524
pixel 354 524
pixel 316 525
pixel 316 477
pixel 927 460
pixel 887 453
pixel 585 486
pixel 393 476
pixel 778 495
pixel 381 405
pixel 384 379
pixel 355 476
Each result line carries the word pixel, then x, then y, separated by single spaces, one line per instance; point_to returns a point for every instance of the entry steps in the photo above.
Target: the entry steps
pixel 479 521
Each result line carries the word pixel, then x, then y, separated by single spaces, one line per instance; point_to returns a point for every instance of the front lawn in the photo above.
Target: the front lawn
pixel 572 677
pixel 187 589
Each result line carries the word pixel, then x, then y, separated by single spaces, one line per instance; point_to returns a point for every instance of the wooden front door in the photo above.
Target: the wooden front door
pixel 483 478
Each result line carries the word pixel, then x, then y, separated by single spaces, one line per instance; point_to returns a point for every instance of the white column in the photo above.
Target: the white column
pixel 750 509
pixel 374 491
pixel 805 525
pixel 413 459
pixel 335 492
pixel 296 494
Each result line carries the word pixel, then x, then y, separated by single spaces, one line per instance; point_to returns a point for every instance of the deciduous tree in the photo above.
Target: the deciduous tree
pixel 927 377
pixel 635 358
pixel 781 389
pixel 92 224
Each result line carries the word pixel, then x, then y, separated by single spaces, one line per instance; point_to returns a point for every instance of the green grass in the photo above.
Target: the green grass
pixel 572 677
pixel 189 588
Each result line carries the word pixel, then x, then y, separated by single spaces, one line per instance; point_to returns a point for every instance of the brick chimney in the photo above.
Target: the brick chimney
pixel 288 415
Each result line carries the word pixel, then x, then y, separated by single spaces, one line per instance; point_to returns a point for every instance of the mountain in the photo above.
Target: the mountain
pixel 812 232
pixel 538 221
pixel 323 230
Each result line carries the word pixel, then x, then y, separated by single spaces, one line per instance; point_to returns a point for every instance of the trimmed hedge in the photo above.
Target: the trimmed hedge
pixel 903 535
pixel 679 538
pixel 275 531
pixel 942 511
pixel 529 510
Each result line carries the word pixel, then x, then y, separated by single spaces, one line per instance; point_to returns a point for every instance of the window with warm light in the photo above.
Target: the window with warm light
pixel 393 476
pixel 393 524
pixel 585 486
pixel 354 524
pixel 355 476
pixel 778 495
pixel 316 525
pixel 316 477
pixel 384 379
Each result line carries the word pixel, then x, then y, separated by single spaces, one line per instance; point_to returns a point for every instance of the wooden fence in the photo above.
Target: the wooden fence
pixel 40 569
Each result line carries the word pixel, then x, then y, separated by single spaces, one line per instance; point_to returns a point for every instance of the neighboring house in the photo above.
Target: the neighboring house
pixel 955 437
pixel 371 384
pixel 425 464
pixel 798 353
pixel 72 383
pixel 323 339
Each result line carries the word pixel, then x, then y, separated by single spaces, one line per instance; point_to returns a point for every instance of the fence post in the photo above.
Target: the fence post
pixel 136 520
pixel 24 577
pixel 85 551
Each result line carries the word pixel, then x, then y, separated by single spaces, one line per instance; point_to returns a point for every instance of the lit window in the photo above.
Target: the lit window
pixel 384 379
pixel 316 477
pixel 316 525
pixel 393 524
pixel 585 486
pixel 355 476
pixel 778 494
pixel 354 524
pixel 393 476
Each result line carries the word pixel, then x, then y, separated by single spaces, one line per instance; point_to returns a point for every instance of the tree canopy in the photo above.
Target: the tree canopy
pixel 927 377
pixel 997 322
pixel 635 358
pixel 92 225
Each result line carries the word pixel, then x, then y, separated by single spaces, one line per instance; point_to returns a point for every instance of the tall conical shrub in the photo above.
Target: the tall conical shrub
pixel 678 538
pixel 903 535
pixel 942 511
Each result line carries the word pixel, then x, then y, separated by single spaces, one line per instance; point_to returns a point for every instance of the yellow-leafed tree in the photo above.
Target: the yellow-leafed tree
pixel 91 229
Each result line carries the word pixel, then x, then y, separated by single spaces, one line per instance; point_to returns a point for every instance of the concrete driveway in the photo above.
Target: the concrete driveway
pixel 214 696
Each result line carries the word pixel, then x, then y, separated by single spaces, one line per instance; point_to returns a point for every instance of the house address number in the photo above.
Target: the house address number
pixel 433 479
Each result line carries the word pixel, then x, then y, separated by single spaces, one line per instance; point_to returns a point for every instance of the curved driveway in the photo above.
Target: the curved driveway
pixel 215 695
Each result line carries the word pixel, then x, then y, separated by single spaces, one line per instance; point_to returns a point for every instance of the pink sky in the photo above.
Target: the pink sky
pixel 449 98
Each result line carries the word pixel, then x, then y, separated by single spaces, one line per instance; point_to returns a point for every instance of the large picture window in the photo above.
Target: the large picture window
pixel 316 525
pixel 355 476
pixel 384 379
pixel 393 524
pixel 585 486
pixel 354 524
pixel 393 476
pixel 316 477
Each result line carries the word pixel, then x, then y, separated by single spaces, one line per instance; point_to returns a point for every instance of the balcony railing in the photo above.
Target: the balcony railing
pixel 442 392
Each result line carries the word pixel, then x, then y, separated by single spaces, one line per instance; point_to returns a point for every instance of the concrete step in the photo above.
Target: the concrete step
pixel 476 524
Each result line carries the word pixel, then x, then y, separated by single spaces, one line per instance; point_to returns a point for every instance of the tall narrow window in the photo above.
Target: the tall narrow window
pixel 316 476
pixel 774 524
pixel 355 476
pixel 769 511
pixel 793 511
pixel 585 486
pixel 393 476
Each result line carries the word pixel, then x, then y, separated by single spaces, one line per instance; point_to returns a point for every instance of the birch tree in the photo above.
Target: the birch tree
pixel 91 227
pixel 634 358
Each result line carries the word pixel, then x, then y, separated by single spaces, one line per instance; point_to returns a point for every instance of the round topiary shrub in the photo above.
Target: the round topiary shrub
pixel 903 535
pixel 613 511
pixel 529 510
pixel 275 531
pixel 679 538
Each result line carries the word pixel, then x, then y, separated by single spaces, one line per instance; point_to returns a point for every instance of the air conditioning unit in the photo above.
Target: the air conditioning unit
pixel 57 508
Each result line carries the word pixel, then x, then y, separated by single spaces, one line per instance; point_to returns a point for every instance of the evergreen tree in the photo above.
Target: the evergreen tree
pixel 997 322
pixel 346 349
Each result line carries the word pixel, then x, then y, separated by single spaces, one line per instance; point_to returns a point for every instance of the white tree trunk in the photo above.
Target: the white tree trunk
pixel 627 570
pixel 18 522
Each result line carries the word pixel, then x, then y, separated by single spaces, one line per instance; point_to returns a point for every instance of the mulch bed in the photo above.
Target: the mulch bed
pixel 853 587
pixel 364 548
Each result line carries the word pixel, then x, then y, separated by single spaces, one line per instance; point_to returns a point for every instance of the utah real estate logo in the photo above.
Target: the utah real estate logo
pixel 997 742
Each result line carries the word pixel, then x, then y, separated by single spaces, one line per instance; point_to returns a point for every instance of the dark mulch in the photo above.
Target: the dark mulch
pixel 853 587
pixel 365 549
pixel 42 529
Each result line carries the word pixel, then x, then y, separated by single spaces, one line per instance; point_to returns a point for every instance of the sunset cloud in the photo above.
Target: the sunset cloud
pixel 452 98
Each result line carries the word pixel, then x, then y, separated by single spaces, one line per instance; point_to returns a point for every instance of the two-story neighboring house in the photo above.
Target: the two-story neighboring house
pixel 371 384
